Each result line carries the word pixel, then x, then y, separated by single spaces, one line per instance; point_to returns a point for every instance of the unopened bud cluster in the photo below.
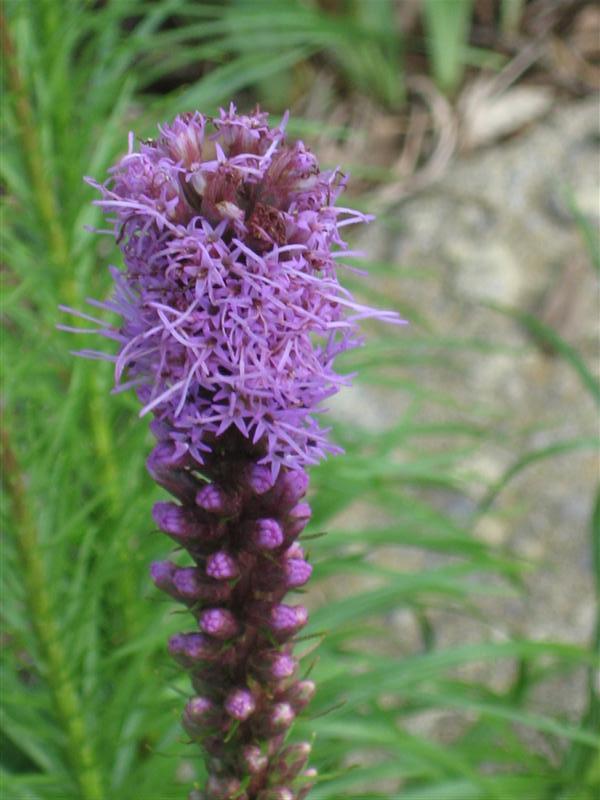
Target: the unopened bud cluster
pixel 241 531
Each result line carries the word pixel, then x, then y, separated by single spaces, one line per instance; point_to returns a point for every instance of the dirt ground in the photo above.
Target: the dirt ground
pixel 498 228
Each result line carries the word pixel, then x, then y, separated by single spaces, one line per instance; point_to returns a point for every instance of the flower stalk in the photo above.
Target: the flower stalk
pixel 231 317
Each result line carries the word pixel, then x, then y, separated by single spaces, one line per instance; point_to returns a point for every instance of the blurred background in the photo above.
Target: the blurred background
pixel 454 632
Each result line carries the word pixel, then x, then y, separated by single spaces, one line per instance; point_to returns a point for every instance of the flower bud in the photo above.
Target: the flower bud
pixel 185 583
pixel 259 478
pixel 190 648
pixel 240 704
pixel 188 584
pixel 254 760
pixel 213 499
pixel 297 519
pixel 219 622
pixel 276 793
pixel 297 572
pixel 163 574
pixel 178 482
pixel 266 534
pixel 182 525
pixel 294 551
pixel 291 486
pixel 286 620
pixel 282 665
pixel 192 588
pixel 300 694
pixel 308 775
pixel 274 666
pixel 292 759
pixel 221 566
pixel 169 454
pixel 280 717
pixel 199 713
pixel 224 789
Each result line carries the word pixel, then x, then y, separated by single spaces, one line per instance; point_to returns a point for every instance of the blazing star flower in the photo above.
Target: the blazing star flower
pixel 231 316
pixel 231 310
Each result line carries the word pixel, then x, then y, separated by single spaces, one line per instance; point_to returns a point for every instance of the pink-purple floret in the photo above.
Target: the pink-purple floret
pixel 232 313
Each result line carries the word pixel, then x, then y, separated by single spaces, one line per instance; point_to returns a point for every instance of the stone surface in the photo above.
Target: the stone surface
pixel 498 229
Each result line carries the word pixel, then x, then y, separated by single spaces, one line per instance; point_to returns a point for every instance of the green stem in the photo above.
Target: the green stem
pixel 64 695
pixel 58 247
pixel 42 191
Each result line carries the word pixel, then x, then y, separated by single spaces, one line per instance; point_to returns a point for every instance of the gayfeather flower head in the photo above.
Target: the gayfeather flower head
pixel 232 313
pixel 231 318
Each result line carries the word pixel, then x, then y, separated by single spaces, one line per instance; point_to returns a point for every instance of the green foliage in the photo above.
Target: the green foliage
pixel 447 25
pixel 90 699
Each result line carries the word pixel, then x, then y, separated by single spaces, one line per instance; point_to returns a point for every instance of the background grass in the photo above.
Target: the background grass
pixel 90 699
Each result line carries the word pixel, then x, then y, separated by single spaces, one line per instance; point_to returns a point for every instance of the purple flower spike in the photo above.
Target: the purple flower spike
pixel 267 534
pixel 231 316
pixel 222 566
pixel 219 622
pixel 240 704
